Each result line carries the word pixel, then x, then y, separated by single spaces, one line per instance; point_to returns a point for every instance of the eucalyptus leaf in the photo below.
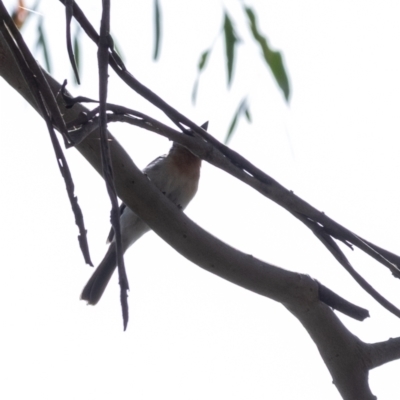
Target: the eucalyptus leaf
pixel 242 109
pixel 41 43
pixel 69 4
pixel 231 39
pixel 157 29
pixel 77 52
pixel 195 89
pixel 247 113
pixel 200 67
pixel 203 59
pixel 272 58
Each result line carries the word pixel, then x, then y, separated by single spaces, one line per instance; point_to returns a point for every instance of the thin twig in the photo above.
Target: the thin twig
pixel 50 102
pixel 103 55
pixel 338 303
pixel 273 190
pixel 139 119
pixel 40 88
pixel 332 246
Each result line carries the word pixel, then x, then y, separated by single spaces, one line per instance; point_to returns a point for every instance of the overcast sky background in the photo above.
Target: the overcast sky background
pixel 193 335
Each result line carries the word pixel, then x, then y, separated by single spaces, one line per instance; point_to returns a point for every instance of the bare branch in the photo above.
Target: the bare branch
pixel 247 171
pixel 384 352
pixel 107 165
pixel 332 246
pixel 333 300
pixel 35 82
pixel 123 114
pixel 346 357
pixel 343 353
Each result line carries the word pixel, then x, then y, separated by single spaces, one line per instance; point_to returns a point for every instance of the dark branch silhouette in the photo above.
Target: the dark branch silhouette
pixel 348 359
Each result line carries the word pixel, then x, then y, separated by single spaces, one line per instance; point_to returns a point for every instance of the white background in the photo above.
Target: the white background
pixel 192 335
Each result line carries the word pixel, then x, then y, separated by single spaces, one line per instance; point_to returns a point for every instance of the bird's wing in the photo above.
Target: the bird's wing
pixel 149 170
pixel 154 165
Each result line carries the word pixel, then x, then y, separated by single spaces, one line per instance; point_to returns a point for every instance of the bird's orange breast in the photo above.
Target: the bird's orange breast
pixel 186 163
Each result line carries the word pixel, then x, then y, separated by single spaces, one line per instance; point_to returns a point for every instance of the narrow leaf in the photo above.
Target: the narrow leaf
pixel 77 51
pixel 68 18
pixel 195 89
pixel 36 5
pixel 203 59
pixel 243 108
pixel 157 29
pixel 247 113
pixel 272 58
pixel 230 44
pixel 200 67
pixel 41 43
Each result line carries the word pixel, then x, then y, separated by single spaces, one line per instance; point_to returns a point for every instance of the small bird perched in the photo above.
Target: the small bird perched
pixel 177 176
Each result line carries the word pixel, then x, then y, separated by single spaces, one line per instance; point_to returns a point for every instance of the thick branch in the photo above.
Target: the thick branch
pixel 205 151
pixel 384 352
pixel 188 238
pixel 342 352
pixel 33 77
pixel 255 177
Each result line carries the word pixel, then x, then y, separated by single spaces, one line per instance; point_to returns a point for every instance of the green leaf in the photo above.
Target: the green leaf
pixel 77 52
pixel 157 28
pixel 272 58
pixel 242 109
pixel 36 5
pixel 247 113
pixel 69 4
pixel 195 89
pixel 41 43
pixel 200 67
pixel 203 59
pixel 231 39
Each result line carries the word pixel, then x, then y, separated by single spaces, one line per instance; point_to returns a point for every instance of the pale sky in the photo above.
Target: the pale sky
pixel 193 335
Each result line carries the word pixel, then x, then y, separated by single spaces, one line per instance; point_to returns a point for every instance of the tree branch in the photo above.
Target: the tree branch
pixel 33 79
pixel 344 354
pixel 246 171
pixel 384 352
pixel 199 147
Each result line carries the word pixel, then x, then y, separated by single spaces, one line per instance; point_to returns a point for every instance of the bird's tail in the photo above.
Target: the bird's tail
pixel 97 283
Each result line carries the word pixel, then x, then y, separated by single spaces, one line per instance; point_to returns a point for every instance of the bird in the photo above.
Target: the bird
pixel 176 175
